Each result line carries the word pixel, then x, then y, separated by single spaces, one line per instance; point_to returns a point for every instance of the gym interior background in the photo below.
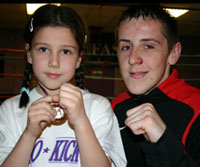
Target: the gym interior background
pixel 101 71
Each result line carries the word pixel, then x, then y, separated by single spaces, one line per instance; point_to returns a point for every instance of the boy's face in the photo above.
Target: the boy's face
pixel 143 54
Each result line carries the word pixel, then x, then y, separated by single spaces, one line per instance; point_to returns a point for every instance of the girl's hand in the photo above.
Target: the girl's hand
pixel 71 100
pixel 145 120
pixel 40 114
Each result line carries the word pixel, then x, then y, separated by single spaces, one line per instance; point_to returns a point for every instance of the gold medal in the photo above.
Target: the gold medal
pixel 59 110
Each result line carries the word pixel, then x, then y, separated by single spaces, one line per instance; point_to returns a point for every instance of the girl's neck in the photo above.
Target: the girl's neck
pixel 44 92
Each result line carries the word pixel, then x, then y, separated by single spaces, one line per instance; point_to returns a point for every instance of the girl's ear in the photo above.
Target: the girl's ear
pixel 79 60
pixel 175 54
pixel 28 53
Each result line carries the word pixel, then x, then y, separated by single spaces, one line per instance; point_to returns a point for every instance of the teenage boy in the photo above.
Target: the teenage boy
pixel 159 114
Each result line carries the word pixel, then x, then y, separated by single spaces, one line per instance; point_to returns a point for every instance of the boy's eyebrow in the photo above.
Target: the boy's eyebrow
pixel 142 40
pixel 150 39
pixel 124 40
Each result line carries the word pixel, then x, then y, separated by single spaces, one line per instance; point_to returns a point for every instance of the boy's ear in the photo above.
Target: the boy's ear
pixel 28 53
pixel 175 54
pixel 78 63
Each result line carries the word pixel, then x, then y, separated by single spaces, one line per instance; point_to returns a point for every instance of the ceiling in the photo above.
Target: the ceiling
pixel 13 16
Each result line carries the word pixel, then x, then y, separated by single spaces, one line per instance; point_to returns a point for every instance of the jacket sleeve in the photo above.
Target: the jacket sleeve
pixel 170 152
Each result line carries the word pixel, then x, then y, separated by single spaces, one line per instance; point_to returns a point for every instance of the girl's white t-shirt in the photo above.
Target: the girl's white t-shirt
pixel 57 146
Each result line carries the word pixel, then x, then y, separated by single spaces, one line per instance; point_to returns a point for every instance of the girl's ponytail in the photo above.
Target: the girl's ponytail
pixel 79 77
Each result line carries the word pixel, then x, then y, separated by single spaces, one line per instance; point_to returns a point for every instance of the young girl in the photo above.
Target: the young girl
pixel 32 133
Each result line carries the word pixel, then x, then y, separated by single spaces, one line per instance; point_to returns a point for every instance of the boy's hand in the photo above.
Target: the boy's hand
pixel 145 120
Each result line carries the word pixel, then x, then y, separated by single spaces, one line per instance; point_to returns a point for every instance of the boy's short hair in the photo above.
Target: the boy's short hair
pixel 155 12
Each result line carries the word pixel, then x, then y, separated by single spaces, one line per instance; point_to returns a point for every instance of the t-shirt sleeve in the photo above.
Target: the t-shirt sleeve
pixel 106 128
pixel 5 136
pixel 9 132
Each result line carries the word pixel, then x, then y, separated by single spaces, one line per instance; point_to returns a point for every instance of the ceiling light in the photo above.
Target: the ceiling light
pixel 32 7
pixel 176 12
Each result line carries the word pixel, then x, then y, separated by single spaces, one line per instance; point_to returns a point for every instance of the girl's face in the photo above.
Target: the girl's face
pixel 54 56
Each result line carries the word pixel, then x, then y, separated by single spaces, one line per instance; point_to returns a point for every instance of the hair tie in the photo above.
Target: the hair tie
pixel 85 40
pixel 31 25
pixel 25 90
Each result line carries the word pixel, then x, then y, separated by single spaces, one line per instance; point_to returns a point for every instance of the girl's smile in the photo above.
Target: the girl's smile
pixel 53 75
